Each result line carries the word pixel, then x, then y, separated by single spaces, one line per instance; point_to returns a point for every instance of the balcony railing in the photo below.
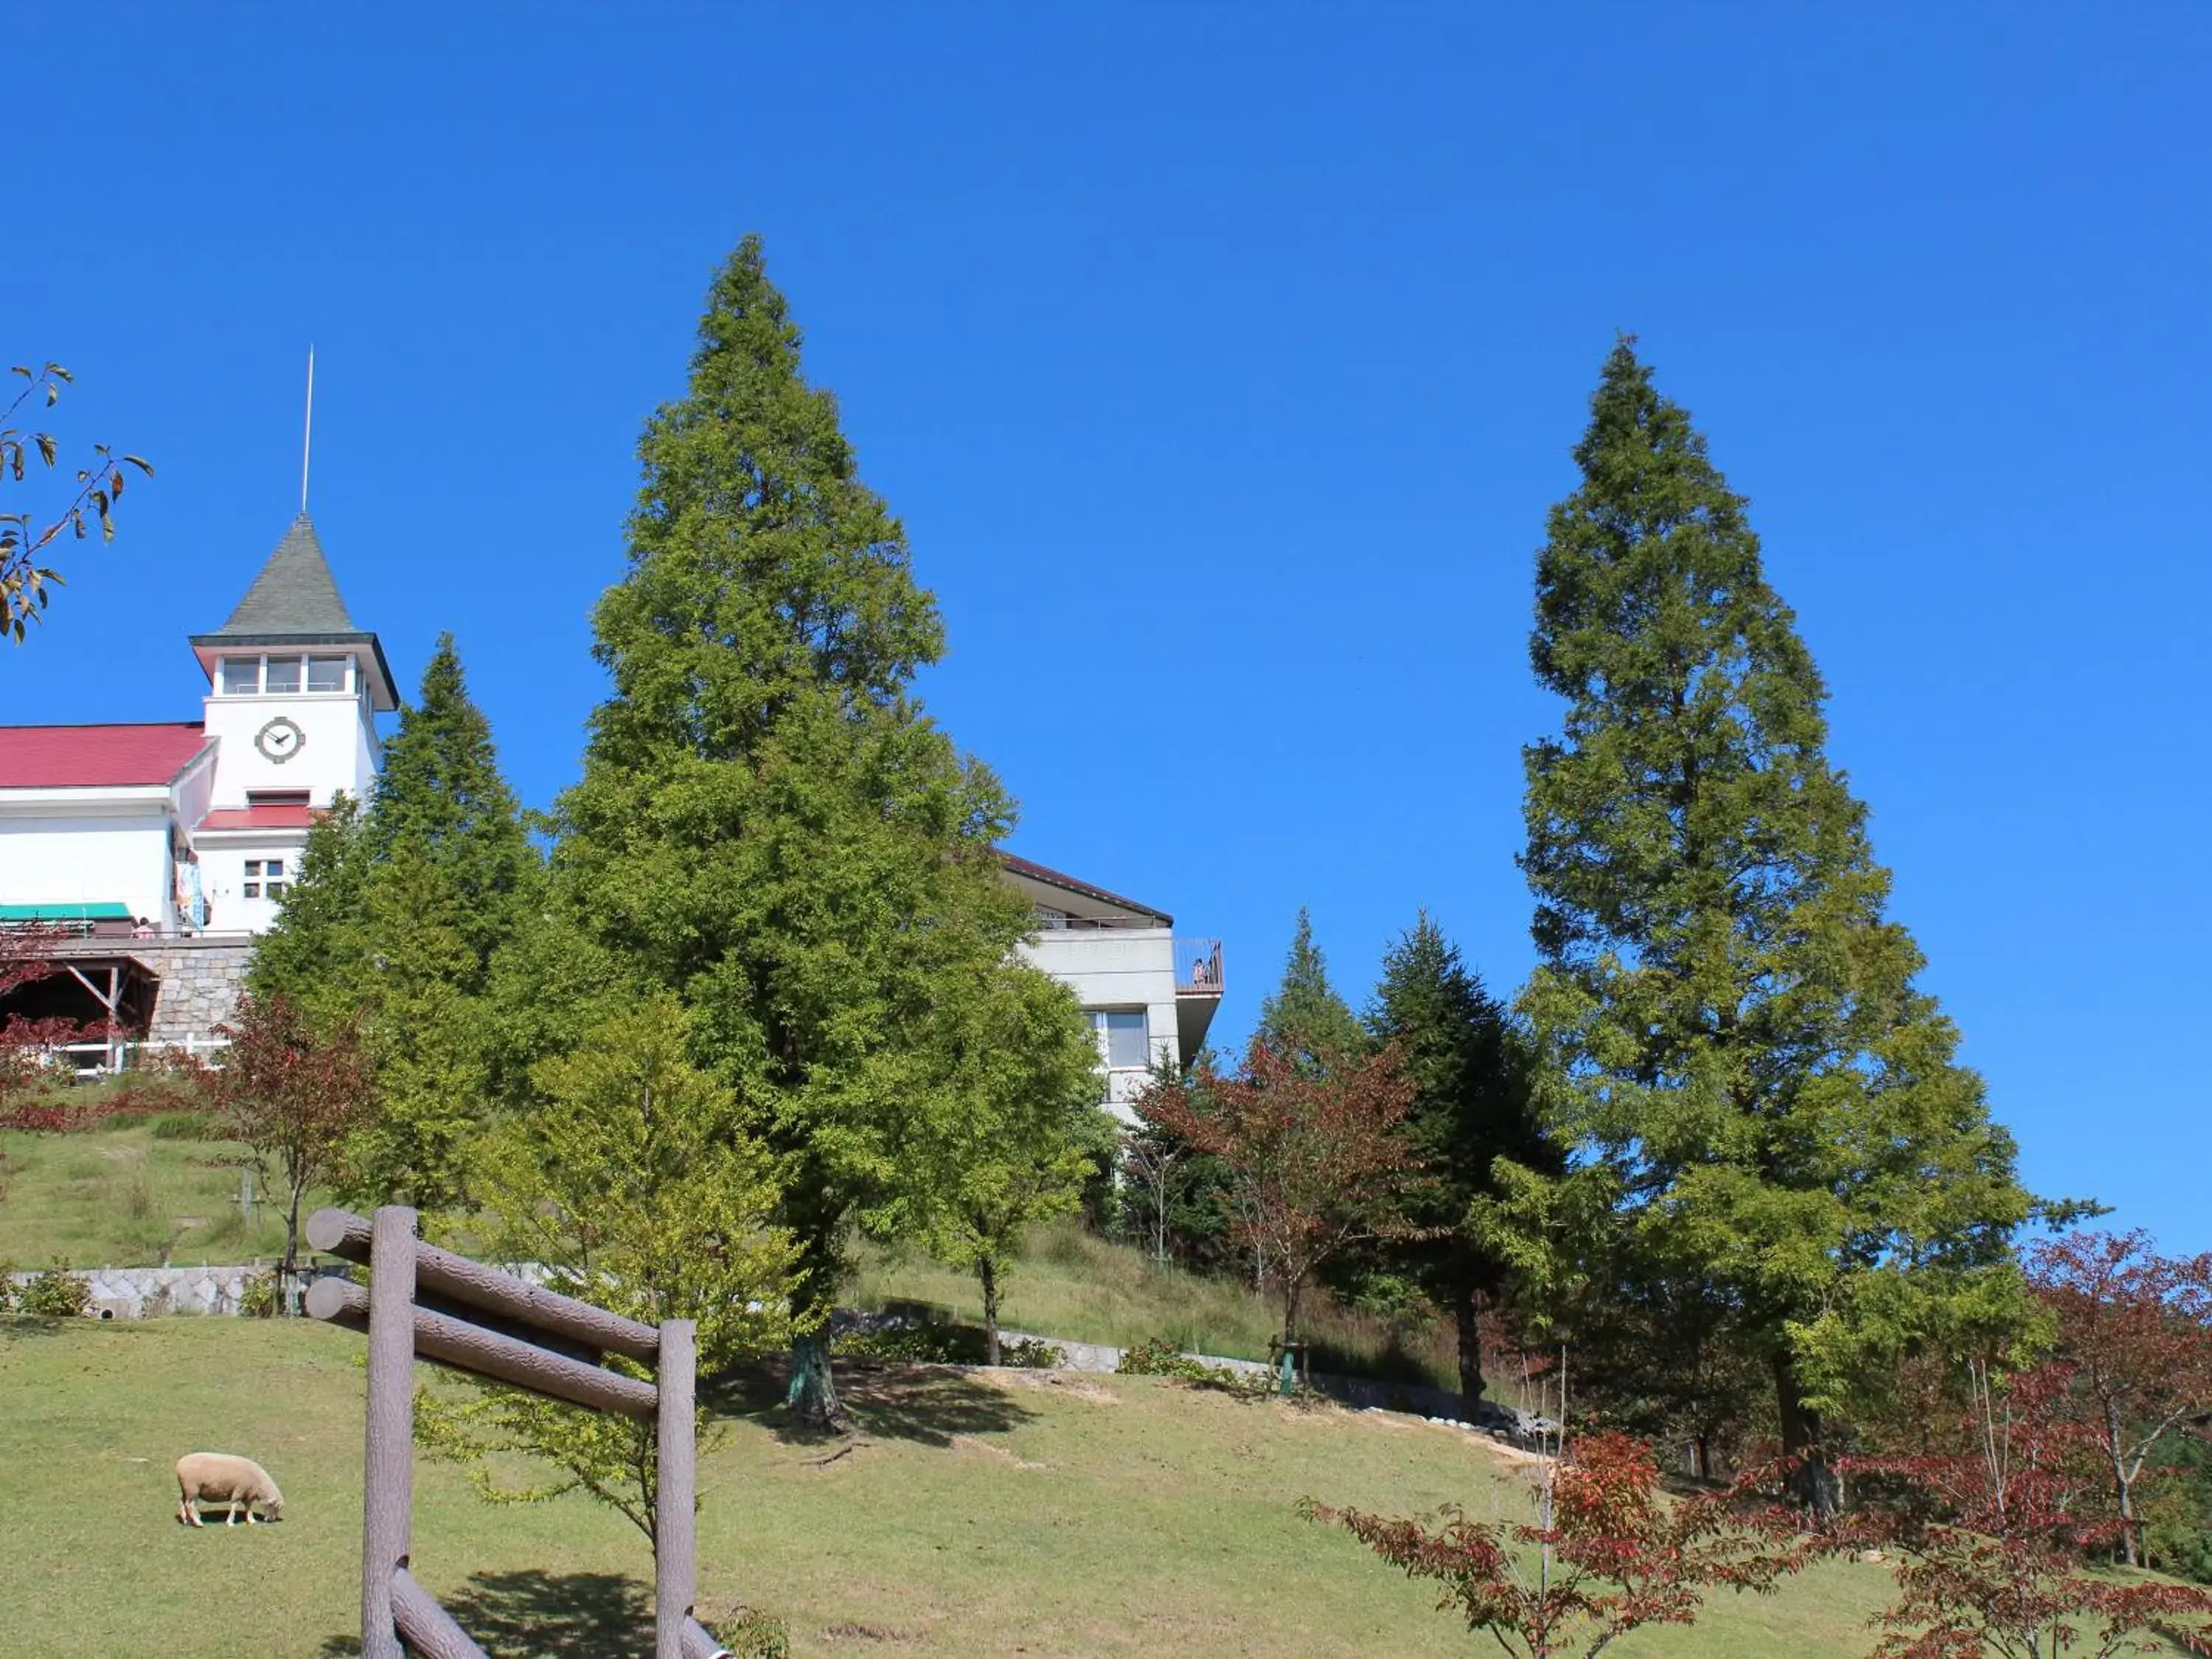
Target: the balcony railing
pixel 1198 966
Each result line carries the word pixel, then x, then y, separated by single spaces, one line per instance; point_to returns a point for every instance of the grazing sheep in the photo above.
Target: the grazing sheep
pixel 220 1478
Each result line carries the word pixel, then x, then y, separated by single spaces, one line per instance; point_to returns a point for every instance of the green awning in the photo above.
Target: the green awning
pixel 65 913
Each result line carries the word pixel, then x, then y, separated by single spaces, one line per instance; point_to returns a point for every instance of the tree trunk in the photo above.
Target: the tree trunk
pixel 1291 1287
pixel 1813 1483
pixel 2122 1488
pixel 284 1273
pixel 812 1396
pixel 1467 1315
pixel 988 1274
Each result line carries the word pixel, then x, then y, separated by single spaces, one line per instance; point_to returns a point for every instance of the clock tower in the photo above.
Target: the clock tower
pixel 294 689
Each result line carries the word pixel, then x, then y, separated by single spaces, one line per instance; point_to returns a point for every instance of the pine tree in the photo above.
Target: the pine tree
pixel 1305 1018
pixel 440 790
pixel 1731 1036
pixel 1471 1106
pixel 391 929
pixel 768 824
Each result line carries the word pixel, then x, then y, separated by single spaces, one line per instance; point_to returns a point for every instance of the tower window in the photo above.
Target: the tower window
pixel 326 673
pixel 283 674
pixel 241 676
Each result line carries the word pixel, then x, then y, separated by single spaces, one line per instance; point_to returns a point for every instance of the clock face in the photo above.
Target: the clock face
pixel 280 739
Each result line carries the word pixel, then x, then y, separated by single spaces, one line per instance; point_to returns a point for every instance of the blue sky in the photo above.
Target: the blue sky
pixel 1222 361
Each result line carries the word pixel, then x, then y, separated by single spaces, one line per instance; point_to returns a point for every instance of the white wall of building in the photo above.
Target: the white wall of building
pixel 224 877
pixel 1117 969
pixel 337 750
pixel 66 848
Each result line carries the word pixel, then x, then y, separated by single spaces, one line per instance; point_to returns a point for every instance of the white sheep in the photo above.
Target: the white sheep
pixel 220 1478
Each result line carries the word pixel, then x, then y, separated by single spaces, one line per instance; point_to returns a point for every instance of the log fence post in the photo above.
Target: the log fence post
pixel 388 1460
pixel 675 1498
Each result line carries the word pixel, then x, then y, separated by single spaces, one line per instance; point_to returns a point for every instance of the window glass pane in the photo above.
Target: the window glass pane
pixel 253 890
pixel 275 866
pixel 1125 1038
pixel 283 674
pixel 276 890
pixel 241 676
pixel 326 673
pixel 252 867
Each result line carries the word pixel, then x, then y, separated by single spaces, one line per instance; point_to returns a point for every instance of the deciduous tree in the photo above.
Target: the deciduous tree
pixel 292 1093
pixel 1987 1534
pixel 1032 1132
pixel 1313 1158
pixel 635 1179
pixel 2136 1328
pixel 1606 1553
pixel 1729 1030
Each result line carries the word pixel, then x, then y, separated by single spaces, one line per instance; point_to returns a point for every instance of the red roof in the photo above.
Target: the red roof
pixel 89 757
pixel 287 817
pixel 1051 877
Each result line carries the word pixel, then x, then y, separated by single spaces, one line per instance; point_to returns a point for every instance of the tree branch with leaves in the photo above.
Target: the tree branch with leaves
pixel 25 533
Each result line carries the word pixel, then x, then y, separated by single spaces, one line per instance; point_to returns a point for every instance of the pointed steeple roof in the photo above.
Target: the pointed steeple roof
pixel 295 593
pixel 295 602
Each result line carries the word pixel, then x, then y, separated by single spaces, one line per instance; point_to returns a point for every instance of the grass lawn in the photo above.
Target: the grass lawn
pixel 1043 1514
pixel 119 1198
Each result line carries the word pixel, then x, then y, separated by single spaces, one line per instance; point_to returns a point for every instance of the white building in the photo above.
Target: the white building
pixel 178 838
pixel 1150 995
pixel 167 846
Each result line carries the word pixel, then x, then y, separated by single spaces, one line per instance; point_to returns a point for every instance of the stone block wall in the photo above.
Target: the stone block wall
pixel 200 979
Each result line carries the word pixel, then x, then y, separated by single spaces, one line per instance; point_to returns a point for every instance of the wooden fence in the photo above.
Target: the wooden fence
pixel 422 1302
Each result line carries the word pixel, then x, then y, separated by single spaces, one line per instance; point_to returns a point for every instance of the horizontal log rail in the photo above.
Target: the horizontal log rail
pixel 457 1278
pixel 469 1348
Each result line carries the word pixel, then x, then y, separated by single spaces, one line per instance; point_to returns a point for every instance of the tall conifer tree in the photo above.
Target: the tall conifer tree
pixel 399 908
pixel 1733 1038
pixel 768 824
pixel 439 791
pixel 1471 1106
pixel 1305 1018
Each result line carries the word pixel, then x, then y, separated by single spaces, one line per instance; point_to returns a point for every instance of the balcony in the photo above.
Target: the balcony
pixel 1198 968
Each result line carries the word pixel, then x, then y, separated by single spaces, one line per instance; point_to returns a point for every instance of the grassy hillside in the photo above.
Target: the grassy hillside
pixel 980 1513
pixel 120 1198
pixel 1073 1285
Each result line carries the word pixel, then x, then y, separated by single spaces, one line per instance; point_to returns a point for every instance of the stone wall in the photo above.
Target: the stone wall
pixel 200 979
pixel 148 1293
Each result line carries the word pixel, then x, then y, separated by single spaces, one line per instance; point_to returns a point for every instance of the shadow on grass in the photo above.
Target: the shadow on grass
pixel 929 1405
pixel 545 1615
pixel 19 1328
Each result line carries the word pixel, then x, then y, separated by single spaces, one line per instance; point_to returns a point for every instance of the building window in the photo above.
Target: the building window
pixel 240 675
pixel 283 674
pixel 264 878
pixel 1052 918
pixel 1122 1034
pixel 276 798
pixel 327 673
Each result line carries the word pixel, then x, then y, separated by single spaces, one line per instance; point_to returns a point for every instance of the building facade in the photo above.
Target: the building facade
pixel 163 848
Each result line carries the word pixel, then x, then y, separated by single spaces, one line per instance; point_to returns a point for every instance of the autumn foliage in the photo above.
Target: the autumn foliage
pixel 27 1045
pixel 2137 1328
pixel 1987 1537
pixel 1606 1551
pixel 1314 1156
pixel 292 1094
